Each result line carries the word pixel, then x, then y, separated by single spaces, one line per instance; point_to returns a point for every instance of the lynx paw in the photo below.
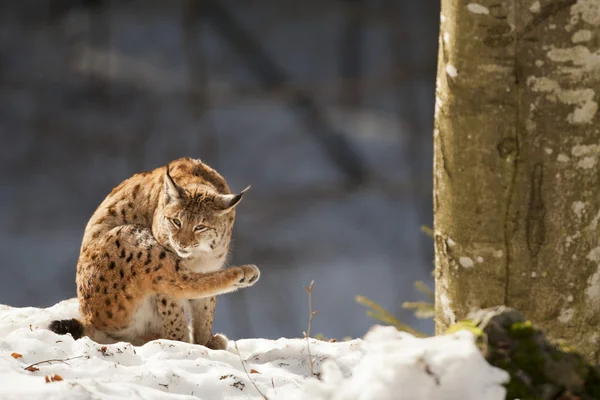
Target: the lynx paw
pixel 246 275
pixel 218 342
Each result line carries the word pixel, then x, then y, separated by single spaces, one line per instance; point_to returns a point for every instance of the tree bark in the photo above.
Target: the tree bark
pixel 516 182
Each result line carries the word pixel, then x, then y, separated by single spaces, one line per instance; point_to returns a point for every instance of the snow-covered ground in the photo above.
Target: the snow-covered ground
pixel 385 364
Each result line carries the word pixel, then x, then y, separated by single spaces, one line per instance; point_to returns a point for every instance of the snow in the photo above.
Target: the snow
pixel 451 70
pixel 443 367
pixel 448 312
pixel 466 262
pixel 446 37
pixel 385 364
pixel 478 9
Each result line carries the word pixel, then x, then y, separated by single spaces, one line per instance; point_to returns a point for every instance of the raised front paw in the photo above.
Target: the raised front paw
pixel 246 275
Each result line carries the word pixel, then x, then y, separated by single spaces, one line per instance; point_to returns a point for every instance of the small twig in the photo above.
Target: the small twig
pixel 273 385
pixel 63 360
pixel 246 371
pixel 312 313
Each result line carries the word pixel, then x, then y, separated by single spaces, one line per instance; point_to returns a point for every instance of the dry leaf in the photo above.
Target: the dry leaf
pixel 253 371
pixel 31 368
pixel 16 355
pixel 55 378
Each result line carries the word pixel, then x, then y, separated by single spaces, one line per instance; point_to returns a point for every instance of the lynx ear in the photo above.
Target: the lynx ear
pixel 172 190
pixel 226 202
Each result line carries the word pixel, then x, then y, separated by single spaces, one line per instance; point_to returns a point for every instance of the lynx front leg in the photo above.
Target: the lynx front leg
pixel 175 326
pixel 171 279
pixel 203 311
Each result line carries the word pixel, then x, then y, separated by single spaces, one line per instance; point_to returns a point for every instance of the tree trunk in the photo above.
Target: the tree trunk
pixel 516 182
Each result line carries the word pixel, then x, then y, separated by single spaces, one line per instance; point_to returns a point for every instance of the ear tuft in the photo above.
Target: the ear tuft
pixel 172 191
pixel 226 202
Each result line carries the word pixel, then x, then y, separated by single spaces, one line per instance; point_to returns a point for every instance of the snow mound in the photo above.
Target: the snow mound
pixel 386 364
pixel 399 366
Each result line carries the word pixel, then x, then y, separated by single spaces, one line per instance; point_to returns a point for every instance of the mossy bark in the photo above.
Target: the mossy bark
pixel 516 182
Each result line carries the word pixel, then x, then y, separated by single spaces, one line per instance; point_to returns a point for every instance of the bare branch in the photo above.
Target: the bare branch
pixel 246 371
pixel 63 360
pixel 312 313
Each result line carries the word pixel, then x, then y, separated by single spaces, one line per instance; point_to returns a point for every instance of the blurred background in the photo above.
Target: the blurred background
pixel 324 106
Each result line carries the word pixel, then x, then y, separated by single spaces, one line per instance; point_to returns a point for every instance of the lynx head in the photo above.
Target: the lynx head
pixel 195 220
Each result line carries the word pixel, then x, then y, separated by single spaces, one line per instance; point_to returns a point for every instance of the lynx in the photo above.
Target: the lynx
pixel 154 249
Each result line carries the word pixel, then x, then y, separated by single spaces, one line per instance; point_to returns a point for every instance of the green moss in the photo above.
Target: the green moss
pixel 555 356
pixel 515 388
pixel 527 355
pixel 565 347
pixel 466 324
pixel 521 329
pixel 529 359
pixel 580 365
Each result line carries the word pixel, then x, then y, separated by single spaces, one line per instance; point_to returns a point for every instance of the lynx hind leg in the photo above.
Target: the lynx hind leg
pixel 203 311
pixel 172 312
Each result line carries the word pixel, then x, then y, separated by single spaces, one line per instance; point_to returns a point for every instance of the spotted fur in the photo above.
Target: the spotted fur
pixel 154 248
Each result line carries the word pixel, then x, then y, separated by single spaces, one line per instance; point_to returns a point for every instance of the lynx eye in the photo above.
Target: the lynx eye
pixel 176 223
pixel 200 228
